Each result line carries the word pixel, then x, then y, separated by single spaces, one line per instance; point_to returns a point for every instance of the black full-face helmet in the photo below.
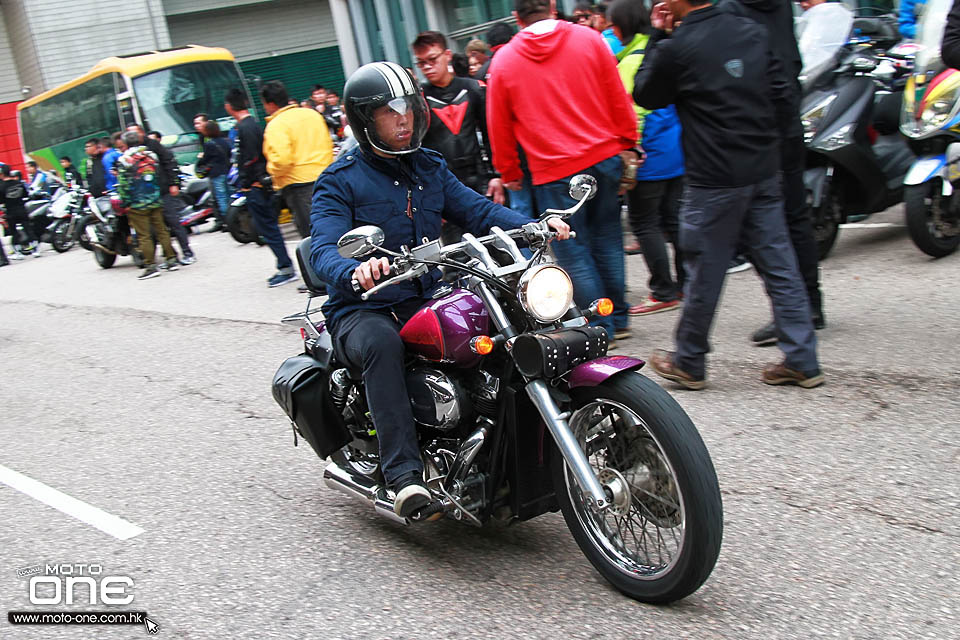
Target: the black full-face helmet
pixel 381 84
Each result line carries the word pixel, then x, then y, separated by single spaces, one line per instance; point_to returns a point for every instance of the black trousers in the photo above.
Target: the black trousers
pixel 370 341
pixel 171 215
pixel 299 199
pixel 799 221
pixel 654 219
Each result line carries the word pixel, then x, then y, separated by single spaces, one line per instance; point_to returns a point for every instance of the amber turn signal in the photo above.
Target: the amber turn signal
pixel 482 345
pixel 604 306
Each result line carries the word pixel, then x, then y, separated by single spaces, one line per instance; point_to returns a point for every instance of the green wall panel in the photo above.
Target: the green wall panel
pixel 298 71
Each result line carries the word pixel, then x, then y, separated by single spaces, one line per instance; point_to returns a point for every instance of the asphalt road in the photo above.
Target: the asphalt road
pixel 151 401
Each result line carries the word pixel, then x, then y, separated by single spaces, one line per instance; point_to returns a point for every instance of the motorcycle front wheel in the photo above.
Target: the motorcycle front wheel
pixel 660 538
pixel 928 212
pixel 62 238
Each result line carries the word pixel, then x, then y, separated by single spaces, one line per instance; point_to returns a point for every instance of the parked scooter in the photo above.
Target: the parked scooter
pixel 197 194
pixel 856 158
pixel 931 122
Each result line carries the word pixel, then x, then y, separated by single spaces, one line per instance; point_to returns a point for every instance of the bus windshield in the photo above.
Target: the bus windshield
pixel 170 98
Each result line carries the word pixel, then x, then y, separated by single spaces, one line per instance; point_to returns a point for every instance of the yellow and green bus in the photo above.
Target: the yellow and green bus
pixel 159 90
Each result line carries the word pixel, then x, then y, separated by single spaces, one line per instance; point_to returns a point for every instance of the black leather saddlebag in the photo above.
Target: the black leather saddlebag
pixel 554 353
pixel 301 387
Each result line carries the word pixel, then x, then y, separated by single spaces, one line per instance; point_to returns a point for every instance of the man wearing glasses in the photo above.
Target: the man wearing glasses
pixel 458 114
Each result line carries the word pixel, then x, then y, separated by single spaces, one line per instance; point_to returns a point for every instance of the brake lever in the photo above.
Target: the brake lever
pixel 414 272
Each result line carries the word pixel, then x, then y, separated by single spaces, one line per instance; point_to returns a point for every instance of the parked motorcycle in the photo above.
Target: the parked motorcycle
pixel 856 157
pixel 519 412
pixel 931 122
pixel 110 234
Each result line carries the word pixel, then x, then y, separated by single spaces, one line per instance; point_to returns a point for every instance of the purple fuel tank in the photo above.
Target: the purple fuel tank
pixel 441 331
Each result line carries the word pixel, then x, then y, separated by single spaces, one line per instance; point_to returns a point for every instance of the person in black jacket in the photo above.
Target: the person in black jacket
pixel 255 183
pixel 777 17
pixel 93 166
pixel 734 104
pixel 950 47
pixel 70 173
pixel 215 159
pixel 169 179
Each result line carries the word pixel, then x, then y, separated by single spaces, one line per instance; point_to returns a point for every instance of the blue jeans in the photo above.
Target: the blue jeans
pixel 594 259
pixel 220 193
pixel 522 200
pixel 713 223
pixel 265 222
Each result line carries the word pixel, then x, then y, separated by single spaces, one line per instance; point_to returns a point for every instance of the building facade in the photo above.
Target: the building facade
pixel 300 42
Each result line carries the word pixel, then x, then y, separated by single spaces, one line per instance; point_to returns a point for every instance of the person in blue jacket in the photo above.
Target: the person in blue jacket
pixel 110 157
pixel 910 11
pixel 393 183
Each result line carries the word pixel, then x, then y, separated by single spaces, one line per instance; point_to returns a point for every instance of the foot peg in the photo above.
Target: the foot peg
pixel 430 513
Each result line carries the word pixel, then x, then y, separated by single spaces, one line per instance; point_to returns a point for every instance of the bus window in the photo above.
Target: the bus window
pixel 84 110
pixel 171 97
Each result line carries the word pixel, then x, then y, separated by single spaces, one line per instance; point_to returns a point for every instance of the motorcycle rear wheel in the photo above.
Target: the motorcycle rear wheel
pixel 921 202
pixel 660 538
pixel 62 240
pixel 240 224
pixel 104 259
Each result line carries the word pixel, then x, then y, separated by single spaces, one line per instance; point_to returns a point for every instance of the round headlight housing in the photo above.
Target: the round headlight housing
pixel 545 292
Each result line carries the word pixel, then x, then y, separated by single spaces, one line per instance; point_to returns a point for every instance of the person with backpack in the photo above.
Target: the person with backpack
pixel 138 185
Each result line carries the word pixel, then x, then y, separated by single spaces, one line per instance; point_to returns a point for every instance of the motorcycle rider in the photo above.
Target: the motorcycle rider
pixel 394 183
pixel 13 194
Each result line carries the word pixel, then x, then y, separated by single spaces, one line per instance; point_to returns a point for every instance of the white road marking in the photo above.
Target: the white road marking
pixel 106 522
pixel 871 225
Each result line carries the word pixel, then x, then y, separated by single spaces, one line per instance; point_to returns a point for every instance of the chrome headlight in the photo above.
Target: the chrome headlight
pixel 939 111
pixel 813 116
pixel 545 292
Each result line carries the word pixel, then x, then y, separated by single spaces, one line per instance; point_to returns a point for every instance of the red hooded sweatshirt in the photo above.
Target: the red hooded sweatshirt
pixel 558 95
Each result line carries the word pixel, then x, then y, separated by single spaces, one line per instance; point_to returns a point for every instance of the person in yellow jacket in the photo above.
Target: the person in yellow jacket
pixel 298 147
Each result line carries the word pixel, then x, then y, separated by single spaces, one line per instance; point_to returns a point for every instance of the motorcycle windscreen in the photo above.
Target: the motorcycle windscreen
pixel 825 28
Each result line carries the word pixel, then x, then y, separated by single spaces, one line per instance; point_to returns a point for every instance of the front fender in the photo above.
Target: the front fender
pixel 925 168
pixel 815 181
pixel 592 373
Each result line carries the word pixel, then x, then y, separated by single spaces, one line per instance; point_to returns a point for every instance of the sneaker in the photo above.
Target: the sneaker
pixel 412 494
pixel 651 305
pixel 739 264
pixel 633 249
pixel 281 279
pixel 782 374
pixel 149 272
pixel 622 334
pixel 170 264
pixel 662 363
pixel 765 335
pixel 188 259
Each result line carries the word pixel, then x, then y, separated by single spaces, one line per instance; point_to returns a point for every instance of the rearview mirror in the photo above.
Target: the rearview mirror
pixel 582 187
pixel 359 242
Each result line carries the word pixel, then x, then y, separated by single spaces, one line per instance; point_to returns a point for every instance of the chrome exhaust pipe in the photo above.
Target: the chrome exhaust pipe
pixel 362 488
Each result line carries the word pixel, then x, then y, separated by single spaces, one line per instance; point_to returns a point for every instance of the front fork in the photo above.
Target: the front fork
pixel 556 421
pixel 569 447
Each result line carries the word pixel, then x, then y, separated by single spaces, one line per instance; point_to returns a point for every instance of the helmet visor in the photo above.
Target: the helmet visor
pixel 398 126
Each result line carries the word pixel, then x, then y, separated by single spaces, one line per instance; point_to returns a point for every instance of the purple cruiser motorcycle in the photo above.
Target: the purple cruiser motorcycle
pixel 519 412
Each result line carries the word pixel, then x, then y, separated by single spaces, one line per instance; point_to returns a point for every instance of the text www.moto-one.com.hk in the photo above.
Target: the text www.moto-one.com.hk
pixel 78 617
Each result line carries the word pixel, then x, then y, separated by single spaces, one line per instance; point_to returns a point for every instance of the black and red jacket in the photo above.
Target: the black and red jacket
pixel 457 113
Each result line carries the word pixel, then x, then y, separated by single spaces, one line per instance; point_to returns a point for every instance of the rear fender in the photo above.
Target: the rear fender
pixel 594 372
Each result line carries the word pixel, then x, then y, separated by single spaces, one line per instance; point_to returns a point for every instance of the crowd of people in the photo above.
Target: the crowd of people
pixel 600 92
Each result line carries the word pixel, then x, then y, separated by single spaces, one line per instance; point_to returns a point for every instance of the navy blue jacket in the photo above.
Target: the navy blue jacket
pixel 359 189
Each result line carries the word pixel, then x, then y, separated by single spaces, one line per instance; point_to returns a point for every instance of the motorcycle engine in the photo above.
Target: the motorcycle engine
pixel 438 401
